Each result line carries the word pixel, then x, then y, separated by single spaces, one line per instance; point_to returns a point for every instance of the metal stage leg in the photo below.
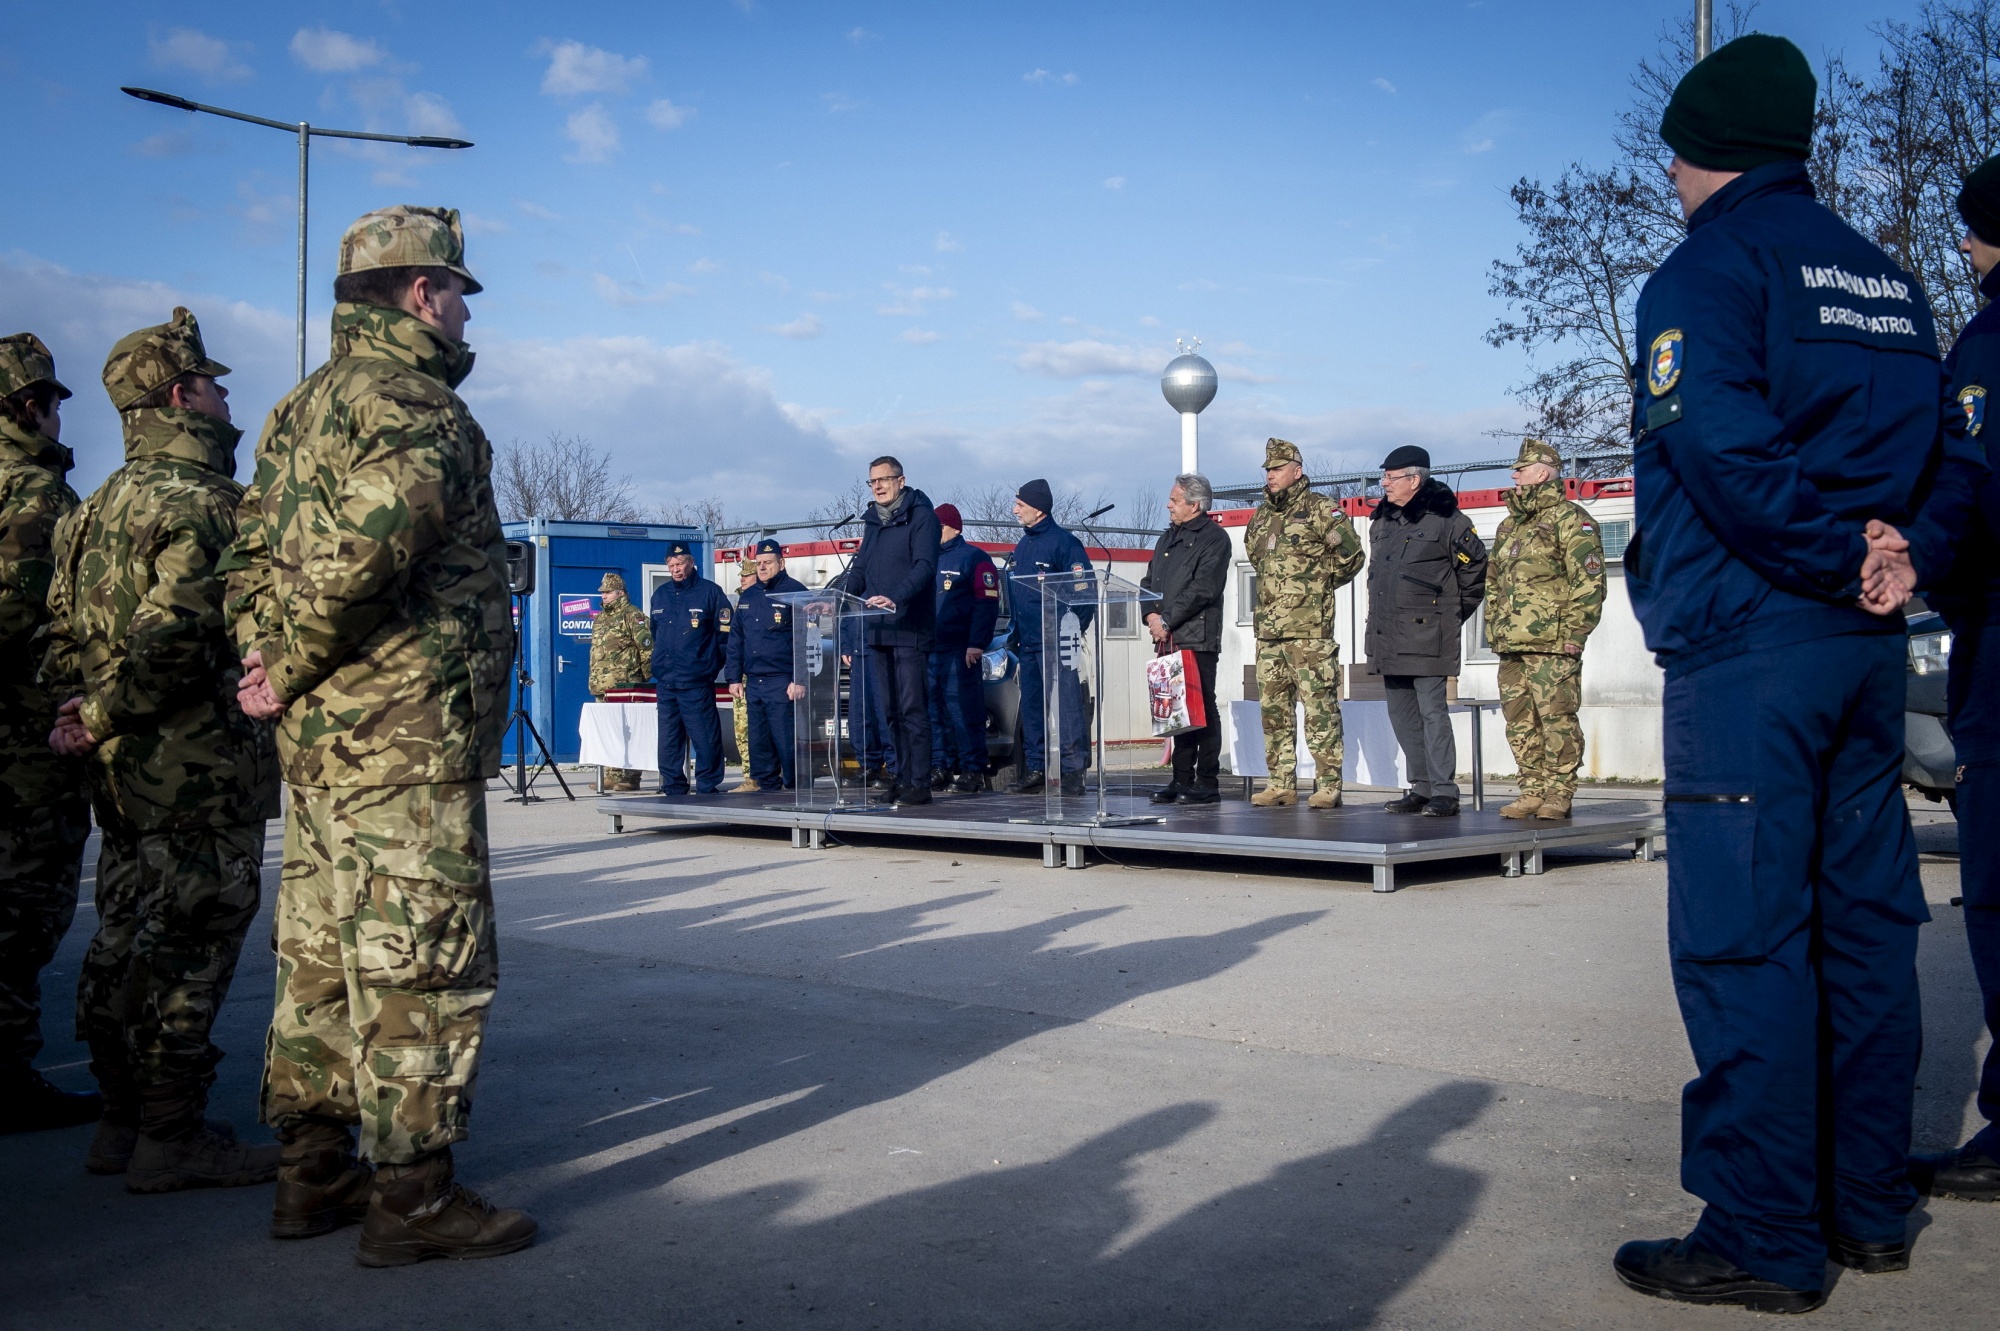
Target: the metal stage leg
pixel 1049 854
pixel 1531 861
pixel 1647 848
pixel 1072 857
pixel 1385 878
pixel 1510 864
pixel 808 838
pixel 617 823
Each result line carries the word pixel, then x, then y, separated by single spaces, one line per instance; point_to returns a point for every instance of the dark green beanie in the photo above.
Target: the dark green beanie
pixel 1979 201
pixel 1748 104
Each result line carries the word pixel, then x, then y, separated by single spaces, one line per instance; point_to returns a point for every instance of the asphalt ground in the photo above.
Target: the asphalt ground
pixel 917 1084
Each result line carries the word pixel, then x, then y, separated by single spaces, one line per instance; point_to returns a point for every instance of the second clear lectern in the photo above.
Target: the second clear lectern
pixel 830 668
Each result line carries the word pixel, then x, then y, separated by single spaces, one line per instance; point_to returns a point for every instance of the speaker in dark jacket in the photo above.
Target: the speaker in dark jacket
pixel 898 559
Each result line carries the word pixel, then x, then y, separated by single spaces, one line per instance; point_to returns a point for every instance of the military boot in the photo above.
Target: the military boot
pixel 1275 796
pixel 1326 795
pixel 1524 806
pixel 1554 806
pixel 747 786
pixel 111 1149
pixel 418 1211
pixel 203 1159
pixel 321 1185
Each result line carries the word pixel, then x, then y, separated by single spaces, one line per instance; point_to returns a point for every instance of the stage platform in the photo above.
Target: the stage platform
pixel 1360 833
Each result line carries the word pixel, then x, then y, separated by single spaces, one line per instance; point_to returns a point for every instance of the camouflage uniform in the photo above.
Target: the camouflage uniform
pixel 44 819
pixel 182 781
pixel 1303 549
pixel 1544 593
pixel 621 656
pixel 739 710
pixel 371 575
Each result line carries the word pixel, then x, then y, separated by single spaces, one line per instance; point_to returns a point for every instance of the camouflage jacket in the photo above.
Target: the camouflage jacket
pixel 1304 549
pixel 33 497
pixel 1545 575
pixel 137 629
pixel 621 648
pixel 370 570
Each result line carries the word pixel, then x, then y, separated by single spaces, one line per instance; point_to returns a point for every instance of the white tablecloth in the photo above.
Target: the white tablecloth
pixel 620 734
pixel 1373 756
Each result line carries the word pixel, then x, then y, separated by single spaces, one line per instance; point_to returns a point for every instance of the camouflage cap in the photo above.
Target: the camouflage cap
pixel 144 360
pixel 611 582
pixel 406 236
pixel 1533 451
pixel 24 361
pixel 1278 452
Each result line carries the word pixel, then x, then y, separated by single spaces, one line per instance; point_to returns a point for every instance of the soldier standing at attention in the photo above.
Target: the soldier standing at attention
pixel 690 640
pixel 1544 593
pixel 1788 401
pixel 44 817
pixel 759 670
pixel 968 606
pixel 139 648
pixel 621 652
pixel 739 711
pixel 370 581
pixel 1304 550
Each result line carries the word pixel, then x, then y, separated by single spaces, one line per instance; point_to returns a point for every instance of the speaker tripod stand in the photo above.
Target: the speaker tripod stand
pixel 524 725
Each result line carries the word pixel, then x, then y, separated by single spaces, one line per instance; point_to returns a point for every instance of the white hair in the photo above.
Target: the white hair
pixel 1194 488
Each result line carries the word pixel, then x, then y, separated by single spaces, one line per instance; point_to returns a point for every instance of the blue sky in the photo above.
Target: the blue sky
pixel 747 246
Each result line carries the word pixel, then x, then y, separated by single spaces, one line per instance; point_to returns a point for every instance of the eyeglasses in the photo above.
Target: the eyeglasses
pixel 1399 476
pixel 874 481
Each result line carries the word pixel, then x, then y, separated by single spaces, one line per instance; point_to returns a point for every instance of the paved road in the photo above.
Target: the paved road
pixel 921 1085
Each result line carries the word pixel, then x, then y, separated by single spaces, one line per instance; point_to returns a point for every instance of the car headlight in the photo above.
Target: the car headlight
pixel 1930 653
pixel 996 666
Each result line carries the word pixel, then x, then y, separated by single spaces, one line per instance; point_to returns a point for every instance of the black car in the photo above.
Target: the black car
pixel 1928 760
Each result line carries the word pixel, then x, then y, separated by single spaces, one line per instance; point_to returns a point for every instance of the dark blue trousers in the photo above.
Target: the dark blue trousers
pixel 770 726
pixel 1792 911
pixel 688 717
pixel 1034 717
pixel 958 713
pixel 1975 734
pixel 878 747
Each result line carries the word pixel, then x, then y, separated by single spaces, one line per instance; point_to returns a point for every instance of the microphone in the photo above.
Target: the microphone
pixel 836 526
pixel 1097 514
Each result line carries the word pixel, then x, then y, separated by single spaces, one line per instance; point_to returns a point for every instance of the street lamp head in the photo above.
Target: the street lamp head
pixel 163 98
pixel 430 141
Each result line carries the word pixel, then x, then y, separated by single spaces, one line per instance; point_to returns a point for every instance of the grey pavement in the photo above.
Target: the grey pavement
pixel 916 1084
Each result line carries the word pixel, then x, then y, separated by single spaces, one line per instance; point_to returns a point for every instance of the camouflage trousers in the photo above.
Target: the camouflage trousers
pixel 172 909
pixel 386 965
pixel 41 864
pixel 1539 696
pixel 1301 670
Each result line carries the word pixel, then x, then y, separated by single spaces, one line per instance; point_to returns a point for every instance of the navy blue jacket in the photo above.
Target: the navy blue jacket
pixel 1043 548
pixel 690 632
pixel 898 559
pixel 1955 546
pixel 760 640
pixel 968 597
pixel 1790 392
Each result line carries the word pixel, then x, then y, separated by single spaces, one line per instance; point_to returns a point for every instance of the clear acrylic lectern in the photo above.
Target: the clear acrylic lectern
pixel 1079 671
pixel 828 625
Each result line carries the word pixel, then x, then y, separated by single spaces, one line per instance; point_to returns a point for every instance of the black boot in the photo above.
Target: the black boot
pixel 1689 1273
pixel 1166 794
pixel 321 1185
pixel 1965 1174
pixel 1028 783
pixel 1072 783
pixel 1870 1259
pixel 1441 806
pixel 1411 802
pixel 30 1102
pixel 969 783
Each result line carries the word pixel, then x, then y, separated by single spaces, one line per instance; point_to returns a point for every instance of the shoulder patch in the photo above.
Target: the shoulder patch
pixel 1663 362
pixel 1972 401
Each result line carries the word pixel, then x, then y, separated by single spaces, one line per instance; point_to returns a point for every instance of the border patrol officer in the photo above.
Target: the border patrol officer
pixel 739 711
pixel 139 647
pixel 1045 547
pixel 691 618
pixel 1956 553
pixel 759 669
pixel 1544 593
pixel 621 655
pixel 1789 397
pixel 968 605
pixel 44 817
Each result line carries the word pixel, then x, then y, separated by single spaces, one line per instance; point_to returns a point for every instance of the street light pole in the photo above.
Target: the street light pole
pixel 305 133
pixel 1704 28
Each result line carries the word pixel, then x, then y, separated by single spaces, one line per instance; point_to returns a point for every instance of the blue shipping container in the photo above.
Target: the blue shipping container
pixel 570 559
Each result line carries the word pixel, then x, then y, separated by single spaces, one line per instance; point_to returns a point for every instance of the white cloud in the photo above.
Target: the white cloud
pixel 1114 182
pixel 1482 146
pixel 428 113
pixel 198 53
pixel 537 211
pixel 838 102
pixel 593 132
pixel 859 35
pixel 328 52
pixel 1383 84
pixel 1148 321
pixel 664 115
pixel 1044 76
pixel 1026 312
pixel 921 337
pixel 1085 357
pixel 703 266
pixel 576 70
pixel 628 293
pixel 799 329
pixel 167 143
pixel 478 224
pixel 910 302
pixel 948 243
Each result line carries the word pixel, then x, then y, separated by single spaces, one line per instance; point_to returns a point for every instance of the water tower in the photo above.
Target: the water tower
pixel 1189 385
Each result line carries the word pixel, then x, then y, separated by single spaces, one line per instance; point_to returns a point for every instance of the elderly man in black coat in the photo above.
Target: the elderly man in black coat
pixel 1190 567
pixel 1426 575
pixel 896 570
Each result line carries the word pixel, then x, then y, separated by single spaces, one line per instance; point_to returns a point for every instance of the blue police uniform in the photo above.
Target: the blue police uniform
pixel 1956 550
pixel 1047 548
pixel 968 605
pixel 760 658
pixel 1791 392
pixel 690 641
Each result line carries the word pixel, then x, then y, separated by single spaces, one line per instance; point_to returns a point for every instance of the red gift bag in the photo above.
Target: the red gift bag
pixel 1173 687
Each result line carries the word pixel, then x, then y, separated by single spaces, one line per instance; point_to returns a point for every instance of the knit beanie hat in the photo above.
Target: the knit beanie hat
pixel 1748 104
pixel 1979 201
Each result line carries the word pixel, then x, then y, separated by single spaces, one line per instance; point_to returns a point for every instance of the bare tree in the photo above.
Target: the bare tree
pixel 706 512
pixel 564 477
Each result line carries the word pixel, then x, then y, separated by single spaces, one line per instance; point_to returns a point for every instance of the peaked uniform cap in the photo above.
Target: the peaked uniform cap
pixel 1279 452
pixel 406 236
pixel 1534 450
pixel 678 548
pixel 769 546
pixel 25 361
pixel 611 582
pixel 144 360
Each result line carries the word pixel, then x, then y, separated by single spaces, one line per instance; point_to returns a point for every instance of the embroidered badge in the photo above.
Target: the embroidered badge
pixel 1973 402
pixel 1663 366
pixel 1593 565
